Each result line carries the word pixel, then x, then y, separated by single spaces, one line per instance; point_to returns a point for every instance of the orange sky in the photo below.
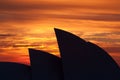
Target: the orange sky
pixel 29 24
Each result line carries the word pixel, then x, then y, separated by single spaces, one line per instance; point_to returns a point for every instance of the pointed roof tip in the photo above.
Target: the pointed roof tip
pixel 33 51
pixel 60 31
pixel 57 29
pixel 30 49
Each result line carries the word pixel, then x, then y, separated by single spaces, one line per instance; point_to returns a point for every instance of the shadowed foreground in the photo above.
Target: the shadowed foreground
pixel 45 66
pixel 14 71
pixel 84 60
pixel 80 60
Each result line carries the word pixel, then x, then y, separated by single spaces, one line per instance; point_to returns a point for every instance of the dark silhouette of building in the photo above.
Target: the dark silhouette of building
pixel 45 66
pixel 80 60
pixel 14 71
pixel 84 60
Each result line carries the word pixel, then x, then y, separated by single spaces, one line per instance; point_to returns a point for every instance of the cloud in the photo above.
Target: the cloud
pixel 23 17
pixel 17 17
pixel 103 34
pixel 6 58
pixel 113 49
pixel 12 31
pixel 95 17
pixel 105 40
pixel 5 44
pixel 25 45
pixel 21 6
pixel 15 11
pixel 4 36
pixel 17 30
pixel 4 39
pixel 50 5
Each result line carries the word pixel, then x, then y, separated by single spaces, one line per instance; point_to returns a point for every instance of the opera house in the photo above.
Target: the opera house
pixel 80 60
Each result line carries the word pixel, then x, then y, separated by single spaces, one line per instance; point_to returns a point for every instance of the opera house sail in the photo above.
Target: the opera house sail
pixel 84 60
pixel 80 60
pixel 45 66
pixel 14 71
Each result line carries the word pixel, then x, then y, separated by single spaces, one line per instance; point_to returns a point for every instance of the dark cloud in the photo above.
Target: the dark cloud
pixel 113 49
pixel 106 40
pixel 14 31
pixel 2 51
pixel 17 43
pixel 50 43
pixel 17 11
pixel 117 58
pixel 6 44
pixel 6 58
pixel 6 35
pixel 17 17
pixel 14 6
pixel 27 45
pixel 95 17
pixel 103 34
pixel 23 17
pixel 47 5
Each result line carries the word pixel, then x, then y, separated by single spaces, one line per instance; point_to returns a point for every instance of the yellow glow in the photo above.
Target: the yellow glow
pixel 30 24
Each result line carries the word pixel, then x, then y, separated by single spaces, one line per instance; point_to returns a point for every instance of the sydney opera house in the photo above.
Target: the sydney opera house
pixel 80 60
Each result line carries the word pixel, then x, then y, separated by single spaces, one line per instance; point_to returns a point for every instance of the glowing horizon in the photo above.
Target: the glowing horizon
pixel 30 24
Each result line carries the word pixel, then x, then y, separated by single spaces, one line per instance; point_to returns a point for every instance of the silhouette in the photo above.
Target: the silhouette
pixel 80 60
pixel 84 60
pixel 45 66
pixel 14 71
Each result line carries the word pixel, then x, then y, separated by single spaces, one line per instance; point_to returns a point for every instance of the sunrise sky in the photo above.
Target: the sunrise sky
pixel 30 24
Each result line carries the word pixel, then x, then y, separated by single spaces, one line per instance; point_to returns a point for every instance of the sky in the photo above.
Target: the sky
pixel 30 24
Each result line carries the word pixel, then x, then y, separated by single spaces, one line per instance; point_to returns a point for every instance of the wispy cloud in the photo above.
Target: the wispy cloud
pixel 23 17
pixel 25 45
pixel 31 11
pixel 113 49
pixel 50 5
pixel 27 23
